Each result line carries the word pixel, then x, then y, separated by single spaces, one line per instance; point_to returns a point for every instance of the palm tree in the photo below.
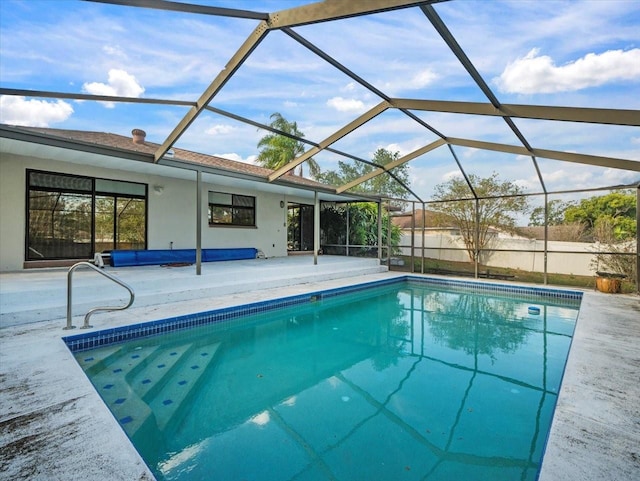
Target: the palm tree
pixel 278 150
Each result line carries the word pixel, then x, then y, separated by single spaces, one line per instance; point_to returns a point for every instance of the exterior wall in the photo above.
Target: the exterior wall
pixel 558 262
pixel 269 235
pixel 171 213
pixel 12 213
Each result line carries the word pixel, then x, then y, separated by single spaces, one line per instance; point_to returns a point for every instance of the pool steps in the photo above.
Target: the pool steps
pixel 161 381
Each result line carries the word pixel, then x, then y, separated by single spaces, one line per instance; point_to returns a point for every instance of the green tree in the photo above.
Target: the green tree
pixel 555 216
pixel 382 184
pixel 498 211
pixel 131 223
pixel 611 222
pixel 616 210
pixel 619 256
pixel 363 226
pixel 278 150
pixel 127 215
pixel 363 216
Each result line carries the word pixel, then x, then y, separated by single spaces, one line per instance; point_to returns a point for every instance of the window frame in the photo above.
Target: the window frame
pixel 89 191
pixel 234 208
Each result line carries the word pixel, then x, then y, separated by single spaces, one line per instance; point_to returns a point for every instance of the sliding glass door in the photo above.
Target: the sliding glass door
pixel 72 217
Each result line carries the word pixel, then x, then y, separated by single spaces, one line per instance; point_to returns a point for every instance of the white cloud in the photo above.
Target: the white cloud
pixel 536 73
pixel 119 84
pixel 561 179
pixel 451 174
pixel 584 177
pixel 219 129
pixel 350 87
pixel 33 113
pixel 422 79
pixel 618 176
pixel 251 159
pixel 406 80
pixel 469 152
pixel 528 185
pixel 114 51
pixel 394 147
pixel 556 175
pixel 346 105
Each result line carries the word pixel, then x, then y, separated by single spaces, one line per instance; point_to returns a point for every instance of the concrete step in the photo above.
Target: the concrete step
pixel 172 394
pixel 145 379
pixel 144 388
pixel 109 369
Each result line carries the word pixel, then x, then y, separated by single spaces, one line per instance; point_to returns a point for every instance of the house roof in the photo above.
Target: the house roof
pixel 121 142
pixel 404 221
pixel 115 144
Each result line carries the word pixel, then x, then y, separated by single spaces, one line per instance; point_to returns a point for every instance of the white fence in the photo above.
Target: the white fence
pixel 437 245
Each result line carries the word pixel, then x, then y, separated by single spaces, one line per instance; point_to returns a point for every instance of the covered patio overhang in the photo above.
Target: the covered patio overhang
pixel 17 141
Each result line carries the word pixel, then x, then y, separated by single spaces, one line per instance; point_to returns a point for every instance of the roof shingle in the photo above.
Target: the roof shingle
pixel 121 142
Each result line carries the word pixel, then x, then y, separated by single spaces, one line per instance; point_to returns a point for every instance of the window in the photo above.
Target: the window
pixel 73 217
pixel 232 209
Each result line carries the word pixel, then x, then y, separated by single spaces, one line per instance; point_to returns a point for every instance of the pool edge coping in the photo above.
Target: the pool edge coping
pixel 92 339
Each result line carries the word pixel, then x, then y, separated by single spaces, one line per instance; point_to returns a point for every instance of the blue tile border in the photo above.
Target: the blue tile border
pixel 520 292
pixel 91 340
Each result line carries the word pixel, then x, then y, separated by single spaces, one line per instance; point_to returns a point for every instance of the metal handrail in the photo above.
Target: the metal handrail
pixel 95 309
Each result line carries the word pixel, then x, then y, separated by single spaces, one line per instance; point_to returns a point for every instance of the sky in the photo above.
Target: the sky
pixel 578 53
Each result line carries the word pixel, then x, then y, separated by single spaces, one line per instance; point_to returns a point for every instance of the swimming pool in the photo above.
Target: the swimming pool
pixel 401 379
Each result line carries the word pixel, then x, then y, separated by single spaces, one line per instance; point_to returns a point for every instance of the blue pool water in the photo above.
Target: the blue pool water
pixel 399 381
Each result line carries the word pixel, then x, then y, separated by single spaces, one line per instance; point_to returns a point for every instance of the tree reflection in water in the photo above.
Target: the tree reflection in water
pixel 472 323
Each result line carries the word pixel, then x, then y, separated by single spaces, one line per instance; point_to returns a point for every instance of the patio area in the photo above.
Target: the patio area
pixel 53 424
pixel 155 285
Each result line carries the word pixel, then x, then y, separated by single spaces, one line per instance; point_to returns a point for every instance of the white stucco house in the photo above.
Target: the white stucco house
pixel 66 195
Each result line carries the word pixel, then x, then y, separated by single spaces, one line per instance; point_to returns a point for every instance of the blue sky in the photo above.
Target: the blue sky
pixel 542 52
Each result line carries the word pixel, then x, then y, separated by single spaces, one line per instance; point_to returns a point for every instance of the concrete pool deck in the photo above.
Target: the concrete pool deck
pixel 53 424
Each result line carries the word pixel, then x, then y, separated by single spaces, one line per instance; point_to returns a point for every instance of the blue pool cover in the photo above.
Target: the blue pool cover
pixel 120 258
